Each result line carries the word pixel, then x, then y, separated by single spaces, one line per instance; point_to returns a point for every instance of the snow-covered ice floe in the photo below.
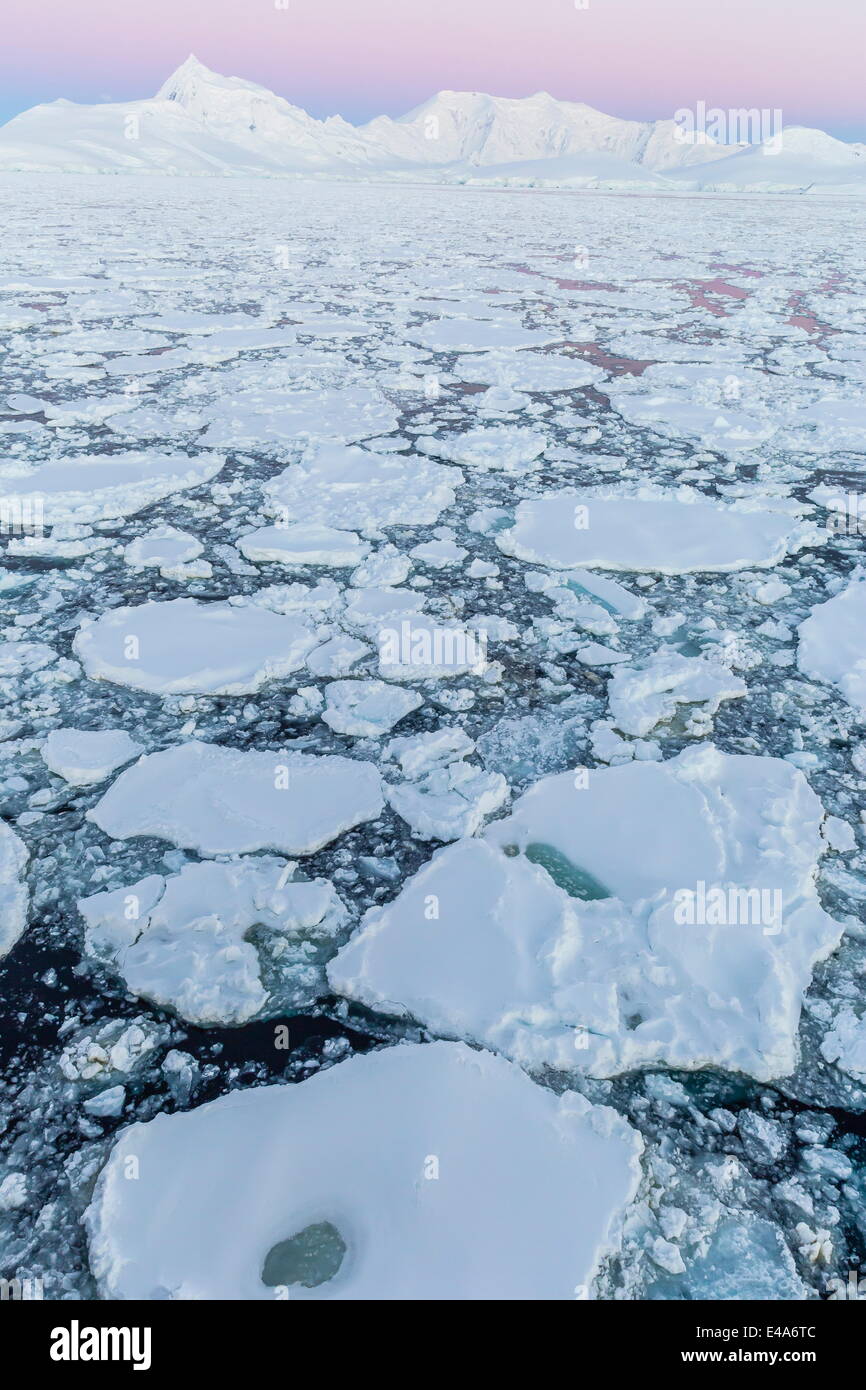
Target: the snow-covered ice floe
pixel 187 647
pixel 84 756
pixel 228 801
pixel 419 1172
pixel 14 896
pixel 678 533
pixel 94 487
pixel 359 490
pixel 220 943
pixel 833 642
pixel 544 941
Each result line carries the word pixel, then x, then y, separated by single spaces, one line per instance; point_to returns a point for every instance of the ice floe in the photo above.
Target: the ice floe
pixel 219 943
pixel 187 647
pixel 832 645
pixel 14 897
pixel 84 756
pixel 543 941
pixel 228 801
pixel 376 1194
pixel 681 533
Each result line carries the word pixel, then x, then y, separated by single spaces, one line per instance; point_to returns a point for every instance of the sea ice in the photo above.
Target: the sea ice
pixel 185 647
pixel 833 643
pixel 228 801
pixel 544 941
pixel 219 943
pixel 84 756
pixel 678 533
pixel 14 897
pixel 417 1172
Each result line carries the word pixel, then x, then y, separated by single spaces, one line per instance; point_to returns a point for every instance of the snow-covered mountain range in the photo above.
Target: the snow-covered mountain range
pixel 202 123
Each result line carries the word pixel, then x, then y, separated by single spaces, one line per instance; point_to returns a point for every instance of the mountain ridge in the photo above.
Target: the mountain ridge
pixel 201 122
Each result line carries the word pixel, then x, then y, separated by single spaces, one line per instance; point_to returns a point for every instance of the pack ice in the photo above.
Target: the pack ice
pixel 401 1174
pixel 541 939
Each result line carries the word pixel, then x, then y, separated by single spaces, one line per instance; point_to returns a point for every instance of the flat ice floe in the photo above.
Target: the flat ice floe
pixel 85 756
pixel 674 533
pixel 228 801
pixel 272 419
pixel 833 642
pixel 544 941
pixel 219 943
pixel 100 486
pixel 360 490
pixel 418 1172
pixel 185 647
pixel 304 545
pixel 367 709
pixel 14 897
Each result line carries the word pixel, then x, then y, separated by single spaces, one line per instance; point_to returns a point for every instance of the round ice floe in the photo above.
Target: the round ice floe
pixel 367 708
pixel 353 488
pixel 833 643
pixel 419 1172
pixel 304 545
pixel 228 801
pixel 508 447
pixel 219 943
pixel 14 897
pixel 655 914
pixel 99 486
pixel 185 647
pixel 474 335
pixel 677 533
pixel 162 547
pixel 274 418
pixel 82 756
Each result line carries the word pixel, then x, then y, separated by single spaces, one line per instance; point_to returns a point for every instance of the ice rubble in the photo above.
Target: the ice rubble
pixel 640 697
pixel 832 644
pixel 98 486
pixel 679 533
pixel 14 896
pixel 84 756
pixel 187 647
pixel 441 796
pixel 227 801
pixel 409 1163
pixel 509 447
pixel 542 940
pixel 219 943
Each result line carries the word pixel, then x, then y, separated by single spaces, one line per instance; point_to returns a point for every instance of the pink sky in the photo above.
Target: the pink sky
pixel 637 58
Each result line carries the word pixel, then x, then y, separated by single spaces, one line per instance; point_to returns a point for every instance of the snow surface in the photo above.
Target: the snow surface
pixel 225 801
pixel 418 1156
pixel 84 756
pixel 185 646
pixel 678 534
pixel 543 941
pixel 187 943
